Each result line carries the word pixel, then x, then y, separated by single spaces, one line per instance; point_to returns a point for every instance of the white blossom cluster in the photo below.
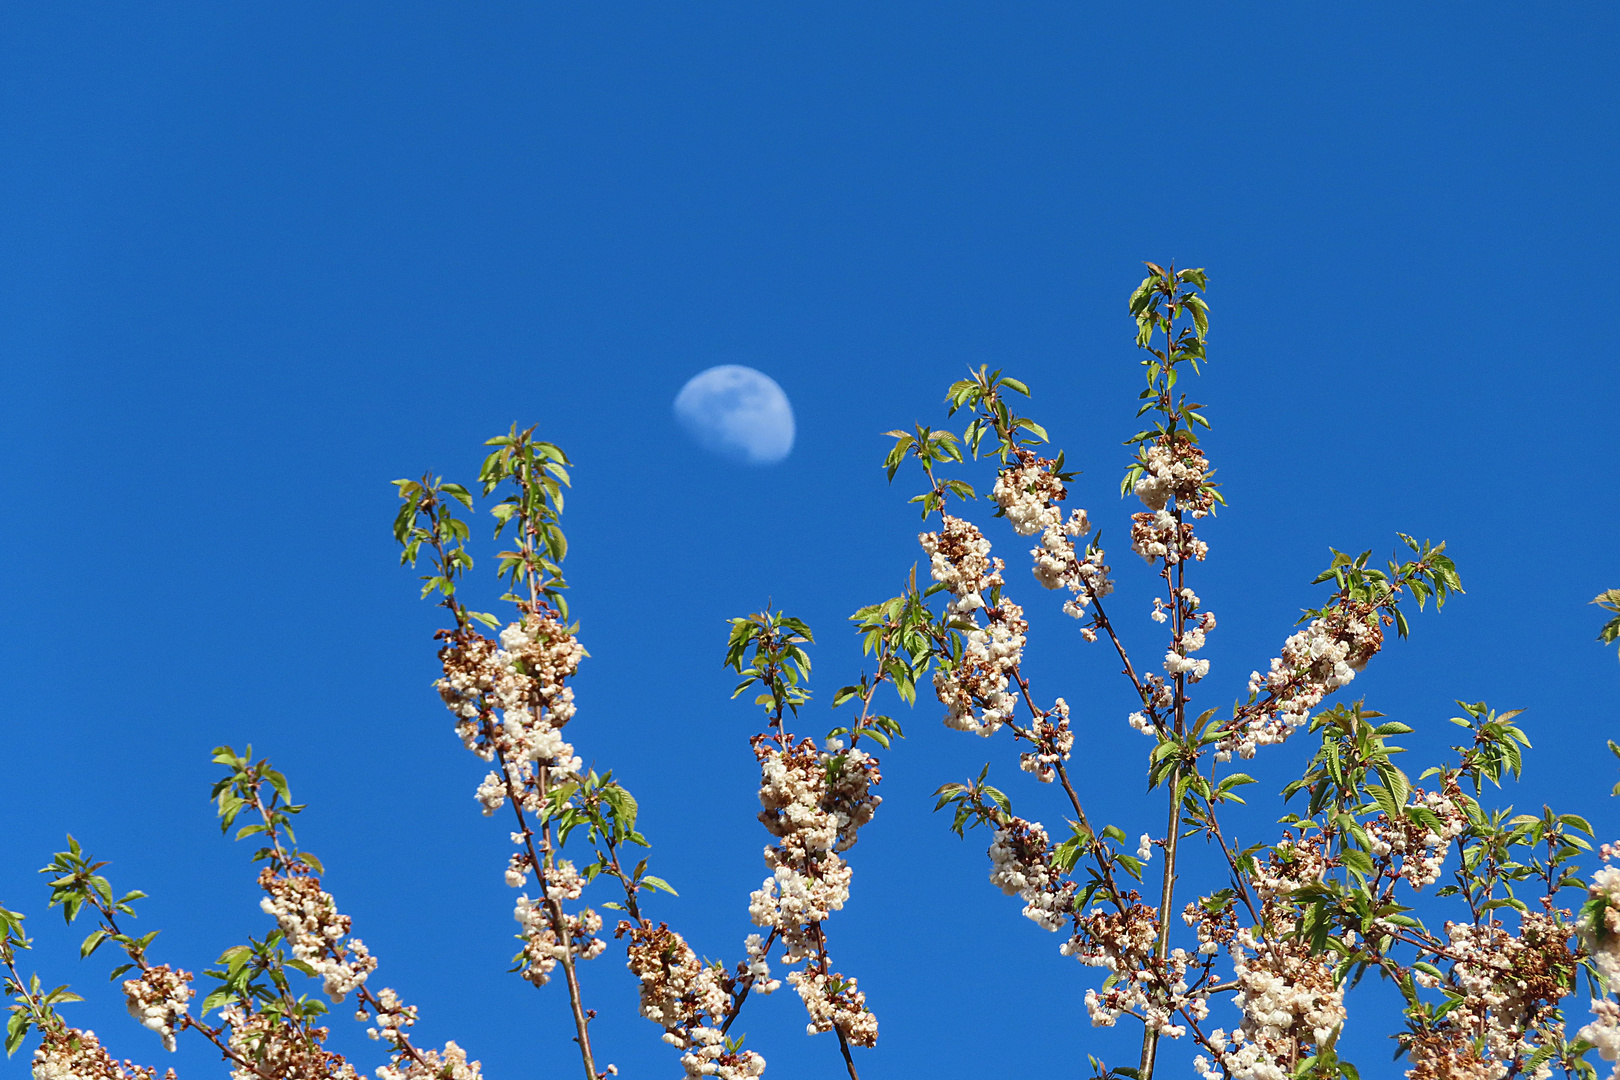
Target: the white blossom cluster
pixel 393 1017
pixel 814 802
pixel 409 1062
pixel 1604 1032
pixel 1452 1054
pixel 1511 984
pixel 813 818
pixel 690 1001
pixel 542 946
pixel 1026 493
pixel 1289 997
pixel 959 558
pixel 1214 928
pixel 1600 935
pixel 511 701
pixel 707 1055
pixel 1021 865
pixel 1174 469
pixel 525 678
pixel 808 879
pixel 413 1063
pixel 517 867
pixel 1053 742
pixel 1123 943
pixel 1295 864
pixel 279 1048
pixel 756 969
pixel 677 990
pixel 546 655
pixel 71 1054
pixel 564 882
pixel 975 689
pixel 1600 928
pixel 316 933
pixel 1422 847
pixel 1058 564
pixel 449 1064
pixel 1195 630
pixel 531 668
pixel 158 999
pixel 1156 534
pixel 835 1002
pixel 468 679
pixel 1318 660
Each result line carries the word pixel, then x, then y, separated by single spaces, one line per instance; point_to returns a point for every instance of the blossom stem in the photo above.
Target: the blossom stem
pixel 1237 876
pixel 1074 800
pixel 1063 775
pixel 742 995
pixel 1101 619
pixel 283 860
pixel 630 903
pixel 849 1062
pixel 1178 610
pixel 826 970
pixel 529 543
pixel 207 1032
pixel 559 925
pixel 1150 1037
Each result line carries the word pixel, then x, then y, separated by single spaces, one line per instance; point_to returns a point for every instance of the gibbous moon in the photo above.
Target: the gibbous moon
pixel 738 413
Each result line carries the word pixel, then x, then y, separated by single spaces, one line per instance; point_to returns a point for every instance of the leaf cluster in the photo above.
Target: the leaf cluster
pixel 254 976
pixel 981 391
pixel 778 662
pixel 76 884
pixel 900 632
pixel 426 516
pixel 32 1006
pixel 974 803
pixel 537 472
pixel 1609 600
pixel 1167 302
pixel 1430 574
pixel 257 786
pixel 931 447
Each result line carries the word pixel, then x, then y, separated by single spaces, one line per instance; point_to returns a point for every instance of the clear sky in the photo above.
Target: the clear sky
pixel 260 259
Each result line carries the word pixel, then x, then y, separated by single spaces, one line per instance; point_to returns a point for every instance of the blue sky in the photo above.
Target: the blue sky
pixel 262 259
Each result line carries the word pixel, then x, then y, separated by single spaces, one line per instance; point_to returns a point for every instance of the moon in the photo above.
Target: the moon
pixel 738 413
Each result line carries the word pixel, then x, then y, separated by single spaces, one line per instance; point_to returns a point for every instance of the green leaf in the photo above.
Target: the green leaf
pixel 1385 801
pixel 1357 860
pixel 92 943
pixel 215 999
pixel 659 883
pixel 16 1031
